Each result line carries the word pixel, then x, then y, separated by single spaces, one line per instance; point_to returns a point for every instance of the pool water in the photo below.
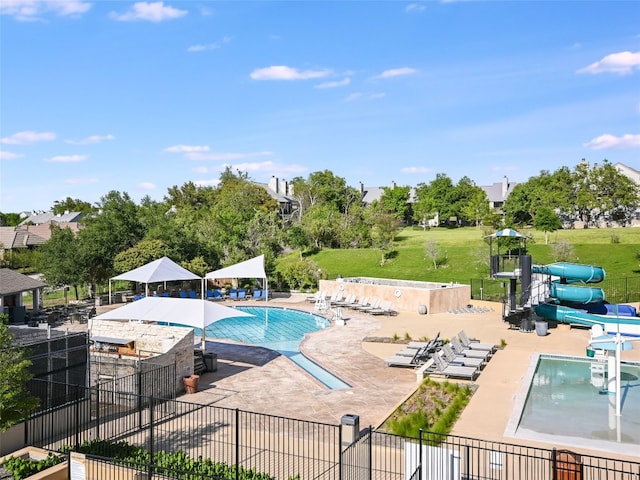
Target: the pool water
pixel 278 329
pixel 568 398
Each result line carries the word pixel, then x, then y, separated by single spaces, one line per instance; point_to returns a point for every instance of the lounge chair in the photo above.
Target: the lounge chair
pixel 383 309
pixel 473 345
pixel 454 359
pixel 441 367
pixel 233 294
pixel 319 295
pixel 416 360
pixel 256 294
pixel 431 346
pixel 193 294
pixel 375 303
pixel 242 294
pixel 460 350
pixel 346 301
pixel 357 304
pixel 182 294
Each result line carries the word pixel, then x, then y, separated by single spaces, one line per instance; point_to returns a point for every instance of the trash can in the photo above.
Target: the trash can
pixel 541 328
pixel 422 309
pixel 350 425
pixel 526 325
pixel 210 361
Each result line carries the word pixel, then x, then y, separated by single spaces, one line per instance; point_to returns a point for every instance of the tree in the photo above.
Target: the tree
pixel 424 207
pixel 396 200
pixel 9 219
pixel 15 400
pixel 71 205
pixel 140 254
pixel 546 221
pixel 59 259
pixel 563 251
pixel 324 188
pixel 114 229
pixel 432 252
pixel 384 227
pixel 476 209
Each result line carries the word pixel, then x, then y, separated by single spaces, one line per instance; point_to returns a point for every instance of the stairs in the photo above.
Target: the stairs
pixel 199 366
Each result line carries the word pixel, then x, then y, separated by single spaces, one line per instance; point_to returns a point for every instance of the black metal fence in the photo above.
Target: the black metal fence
pixel 284 448
pixel 617 290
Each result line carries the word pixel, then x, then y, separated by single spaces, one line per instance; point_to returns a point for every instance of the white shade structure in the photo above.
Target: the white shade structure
pixel 253 268
pixel 195 313
pixel 162 270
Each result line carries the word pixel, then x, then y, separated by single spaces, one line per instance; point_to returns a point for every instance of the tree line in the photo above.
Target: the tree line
pixel 204 228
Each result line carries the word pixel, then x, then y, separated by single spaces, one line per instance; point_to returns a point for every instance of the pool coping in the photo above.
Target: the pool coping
pixel 512 429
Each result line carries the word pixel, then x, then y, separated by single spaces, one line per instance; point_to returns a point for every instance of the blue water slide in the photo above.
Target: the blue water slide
pixel 624 324
pixel 571 293
pixel 572 272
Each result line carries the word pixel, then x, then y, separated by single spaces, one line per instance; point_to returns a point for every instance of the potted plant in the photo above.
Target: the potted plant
pixel 191 383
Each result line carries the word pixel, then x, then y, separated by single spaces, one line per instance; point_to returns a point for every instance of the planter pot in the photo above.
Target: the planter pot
pixel 191 383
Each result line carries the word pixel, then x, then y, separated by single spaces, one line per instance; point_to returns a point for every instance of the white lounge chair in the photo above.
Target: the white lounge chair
pixel 460 350
pixel 454 359
pixel 383 309
pixel 474 345
pixel 441 367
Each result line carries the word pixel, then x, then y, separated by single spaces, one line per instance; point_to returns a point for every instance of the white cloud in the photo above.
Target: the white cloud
pixel 209 46
pixel 150 12
pixel 187 148
pixel 224 156
pixel 66 158
pixel 622 63
pixel 339 83
pixel 24 138
pixel 611 141
pixel 80 181
pixel 33 10
pixel 147 186
pixel 363 96
pixel 416 170
pixel 396 72
pixel 282 72
pixel 415 7
pixel 8 155
pixel 91 139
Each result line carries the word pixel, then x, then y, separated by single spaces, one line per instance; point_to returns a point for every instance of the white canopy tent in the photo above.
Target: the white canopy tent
pixel 253 268
pixel 162 270
pixel 195 313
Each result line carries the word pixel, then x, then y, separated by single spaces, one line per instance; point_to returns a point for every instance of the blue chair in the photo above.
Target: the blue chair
pixel 242 294
pixel 209 295
pixel 217 295
pixel 182 294
pixel 233 294
pixel 256 294
pixel 193 294
pixel 164 294
pixel 263 295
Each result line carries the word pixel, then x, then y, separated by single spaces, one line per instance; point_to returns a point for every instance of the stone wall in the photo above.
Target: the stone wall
pixel 159 344
pixel 405 296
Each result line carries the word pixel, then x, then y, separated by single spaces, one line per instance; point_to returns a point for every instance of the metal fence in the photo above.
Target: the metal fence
pixel 286 448
pixel 617 290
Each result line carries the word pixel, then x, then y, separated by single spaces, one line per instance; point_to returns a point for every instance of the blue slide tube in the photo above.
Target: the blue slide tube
pixel 572 272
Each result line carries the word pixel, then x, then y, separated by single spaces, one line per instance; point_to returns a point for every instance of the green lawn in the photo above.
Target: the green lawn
pixel 467 254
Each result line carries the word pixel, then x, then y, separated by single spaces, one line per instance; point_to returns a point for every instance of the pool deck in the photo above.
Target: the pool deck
pixel 258 380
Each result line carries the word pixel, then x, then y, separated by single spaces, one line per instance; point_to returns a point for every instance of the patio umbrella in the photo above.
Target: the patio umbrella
pixel 195 313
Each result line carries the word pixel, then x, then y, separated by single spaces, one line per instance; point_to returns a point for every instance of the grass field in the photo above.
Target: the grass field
pixel 467 254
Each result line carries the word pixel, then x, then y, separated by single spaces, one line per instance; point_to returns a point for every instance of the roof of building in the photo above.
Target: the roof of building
pixel 13 282
pixel 17 237
pixel 626 170
pixel 38 218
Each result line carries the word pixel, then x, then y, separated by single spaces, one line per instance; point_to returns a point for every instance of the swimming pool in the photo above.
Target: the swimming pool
pixel 278 329
pixel 565 400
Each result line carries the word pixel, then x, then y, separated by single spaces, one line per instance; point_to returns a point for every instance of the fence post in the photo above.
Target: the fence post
pixel 77 415
pixel 237 444
pixel 151 439
pixel 370 435
pixel 97 408
pixel 554 472
pixel 340 452
pixel 420 459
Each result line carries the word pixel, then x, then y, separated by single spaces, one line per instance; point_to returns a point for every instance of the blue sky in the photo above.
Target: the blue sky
pixel 138 97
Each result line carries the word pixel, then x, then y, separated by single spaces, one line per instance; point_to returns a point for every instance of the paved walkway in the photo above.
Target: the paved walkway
pixel 256 379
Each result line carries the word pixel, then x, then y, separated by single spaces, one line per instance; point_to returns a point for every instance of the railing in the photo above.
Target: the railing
pixel 286 448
